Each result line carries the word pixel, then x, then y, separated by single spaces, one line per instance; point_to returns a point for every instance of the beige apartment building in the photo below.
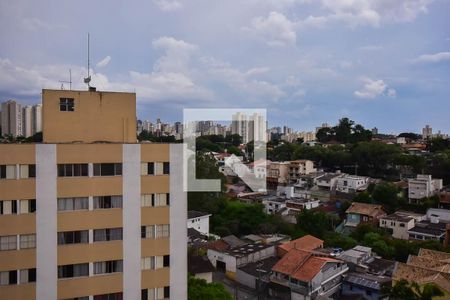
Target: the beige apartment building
pixel 89 213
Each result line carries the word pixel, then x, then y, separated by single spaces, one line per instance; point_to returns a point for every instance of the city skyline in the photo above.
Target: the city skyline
pixel 379 63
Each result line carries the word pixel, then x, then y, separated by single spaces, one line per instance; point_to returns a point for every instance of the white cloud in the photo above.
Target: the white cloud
pixel 433 58
pixel 373 13
pixel 241 82
pixel 374 88
pixel 275 29
pixel 168 5
pixel 104 62
pixel 177 54
pixel 311 69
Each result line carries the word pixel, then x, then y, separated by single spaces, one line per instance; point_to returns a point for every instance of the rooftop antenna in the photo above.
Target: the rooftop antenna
pixel 87 80
pixel 69 82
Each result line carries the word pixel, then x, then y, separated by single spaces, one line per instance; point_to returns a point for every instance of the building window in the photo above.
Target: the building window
pixel 27 171
pixel 27 241
pixel 148 263
pixel 104 202
pixel 107 234
pixel 27 206
pixel 28 275
pixel 166 261
pixel 148 232
pixel 108 169
pixel 155 168
pixel 111 266
pixel 8 277
pixel 72 170
pixel 78 203
pixel 114 296
pixel 66 104
pixel 73 237
pixel 8 242
pixel 162 231
pixel 8 172
pixel 8 207
pixel 154 200
pixel 76 270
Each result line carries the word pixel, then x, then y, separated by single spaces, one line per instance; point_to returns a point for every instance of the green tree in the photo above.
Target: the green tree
pixel 386 194
pixel 403 289
pixel 316 223
pixel 200 289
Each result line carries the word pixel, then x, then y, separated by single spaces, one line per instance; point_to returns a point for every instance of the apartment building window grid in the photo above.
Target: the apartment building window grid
pixel 155 168
pixel 106 267
pixel 7 171
pixel 8 242
pixel 108 234
pixel 155 231
pixel 66 104
pixel 105 202
pixel 73 237
pixel 27 206
pixel 155 200
pixel 74 270
pixel 107 169
pixel 8 207
pixel 27 275
pixel 8 277
pixel 27 241
pixel 72 170
pixel 27 171
pixel 76 203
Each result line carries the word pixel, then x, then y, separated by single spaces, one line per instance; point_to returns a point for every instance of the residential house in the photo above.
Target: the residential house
pixel 368 286
pixel 351 183
pixel 199 221
pixel 200 267
pixel 273 204
pixel 309 180
pixel 328 181
pixel 257 274
pixel 363 212
pixel 362 259
pixel 229 260
pixel 306 243
pixel 438 214
pixel 444 198
pixel 428 230
pixel 422 187
pixel 308 275
pixel 300 167
pixel 429 266
pixel 278 173
pixel 259 168
pixel 400 222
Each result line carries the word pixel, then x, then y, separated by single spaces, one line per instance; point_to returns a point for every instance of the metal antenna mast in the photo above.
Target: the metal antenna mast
pixel 69 82
pixel 87 80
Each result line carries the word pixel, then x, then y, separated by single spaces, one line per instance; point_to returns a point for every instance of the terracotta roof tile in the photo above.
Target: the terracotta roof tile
pixel 373 210
pixel 307 242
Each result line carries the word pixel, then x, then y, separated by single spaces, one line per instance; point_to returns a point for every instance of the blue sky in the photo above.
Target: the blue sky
pixel 381 63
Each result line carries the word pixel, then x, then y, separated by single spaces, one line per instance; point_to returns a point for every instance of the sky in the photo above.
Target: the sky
pixel 380 63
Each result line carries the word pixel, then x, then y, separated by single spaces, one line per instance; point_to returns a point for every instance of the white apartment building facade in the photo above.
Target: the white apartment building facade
pixel 351 183
pixel 423 186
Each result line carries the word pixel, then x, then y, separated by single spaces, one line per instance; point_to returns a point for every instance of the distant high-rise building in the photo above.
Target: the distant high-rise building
pixel 374 131
pixel 27 121
pixel 11 118
pixel 427 132
pixel 36 114
pixel 250 128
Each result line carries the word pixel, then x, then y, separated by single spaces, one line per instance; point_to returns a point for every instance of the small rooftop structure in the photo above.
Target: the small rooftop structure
pixel 306 243
pixel 367 209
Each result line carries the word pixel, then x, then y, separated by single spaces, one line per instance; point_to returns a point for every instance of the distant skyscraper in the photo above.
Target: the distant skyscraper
pixel 374 131
pixel 249 127
pixel 27 121
pixel 11 118
pixel 427 132
pixel 36 113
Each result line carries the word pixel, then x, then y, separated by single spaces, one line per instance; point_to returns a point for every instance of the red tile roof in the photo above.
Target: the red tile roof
pixel 301 265
pixel 307 242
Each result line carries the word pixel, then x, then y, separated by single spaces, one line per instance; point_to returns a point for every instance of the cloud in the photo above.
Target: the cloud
pixel 168 5
pixel 275 29
pixel 177 54
pixel 35 24
pixel 104 62
pixel 242 81
pixel 374 88
pixel 373 13
pixel 433 58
